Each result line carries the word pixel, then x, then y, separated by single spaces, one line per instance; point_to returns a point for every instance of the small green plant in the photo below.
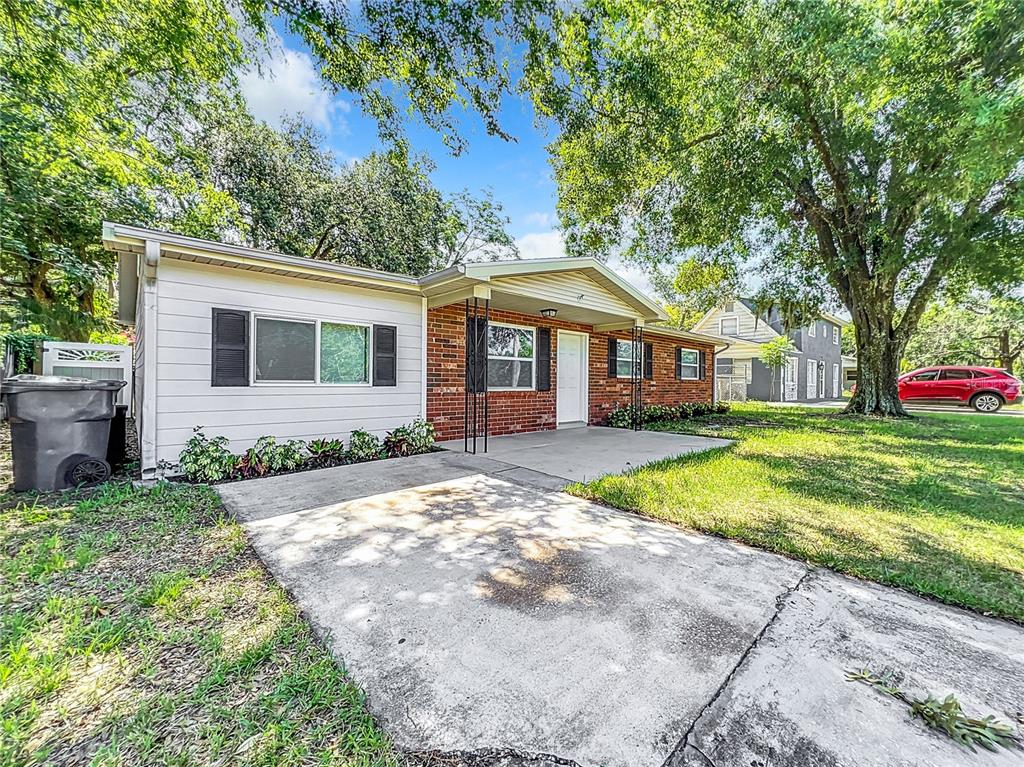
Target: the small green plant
pixel 774 355
pixel 946 715
pixel 363 446
pixel 325 452
pixel 268 457
pixel 206 459
pixel 417 437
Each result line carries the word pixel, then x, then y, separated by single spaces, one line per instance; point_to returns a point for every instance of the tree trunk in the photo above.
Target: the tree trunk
pixel 878 365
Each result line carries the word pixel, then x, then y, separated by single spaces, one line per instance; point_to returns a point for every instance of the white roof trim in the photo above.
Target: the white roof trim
pixel 131 238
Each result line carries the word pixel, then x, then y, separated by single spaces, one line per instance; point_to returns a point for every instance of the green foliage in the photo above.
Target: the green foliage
pixel 130 111
pixel 622 416
pixel 976 329
pixel 325 452
pixel 206 459
pixel 417 437
pixel 88 94
pixel 859 152
pixel 22 347
pixel 363 446
pixel 774 354
pixel 699 284
pixel 946 715
pixel 269 457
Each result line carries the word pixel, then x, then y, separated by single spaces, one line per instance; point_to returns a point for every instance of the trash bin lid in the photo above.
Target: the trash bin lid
pixel 28 382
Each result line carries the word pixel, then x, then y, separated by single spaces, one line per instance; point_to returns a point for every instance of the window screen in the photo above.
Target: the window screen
pixel 344 351
pixel 285 350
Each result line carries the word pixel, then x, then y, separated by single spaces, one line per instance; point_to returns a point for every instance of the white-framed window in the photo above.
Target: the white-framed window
pixel 689 364
pixel 729 308
pixel 835 335
pixel 511 356
pixel 288 350
pixel 729 326
pixel 812 329
pixel 623 358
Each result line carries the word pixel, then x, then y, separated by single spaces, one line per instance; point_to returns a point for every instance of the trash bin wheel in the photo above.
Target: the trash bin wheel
pixel 89 471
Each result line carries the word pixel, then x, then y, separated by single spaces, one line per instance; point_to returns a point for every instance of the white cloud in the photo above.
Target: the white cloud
pixel 541 219
pixel 286 84
pixel 541 245
pixel 552 245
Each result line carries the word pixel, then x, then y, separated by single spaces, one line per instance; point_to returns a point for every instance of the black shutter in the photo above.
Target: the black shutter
pixel 648 361
pixel 679 363
pixel 543 359
pixel 229 363
pixel 385 355
pixel 612 352
pixel 701 365
pixel 476 328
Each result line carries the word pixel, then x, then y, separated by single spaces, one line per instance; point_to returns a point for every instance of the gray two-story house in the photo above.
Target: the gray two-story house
pixel 815 369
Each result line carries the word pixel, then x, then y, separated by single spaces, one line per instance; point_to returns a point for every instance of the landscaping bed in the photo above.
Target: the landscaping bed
pixel 933 504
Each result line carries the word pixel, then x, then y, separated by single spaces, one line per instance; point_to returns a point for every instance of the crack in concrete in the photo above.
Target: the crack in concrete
pixel 488 757
pixel 675 758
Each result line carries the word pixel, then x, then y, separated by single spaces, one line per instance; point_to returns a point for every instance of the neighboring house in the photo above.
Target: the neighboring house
pixel 814 370
pixel 245 343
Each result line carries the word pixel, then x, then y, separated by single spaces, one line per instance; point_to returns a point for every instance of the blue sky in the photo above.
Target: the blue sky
pixel 517 172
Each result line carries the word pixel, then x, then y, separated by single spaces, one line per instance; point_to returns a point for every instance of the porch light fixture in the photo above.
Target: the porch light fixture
pixel 549 313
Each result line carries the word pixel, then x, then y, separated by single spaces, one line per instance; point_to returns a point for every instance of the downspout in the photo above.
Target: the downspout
pixel 148 448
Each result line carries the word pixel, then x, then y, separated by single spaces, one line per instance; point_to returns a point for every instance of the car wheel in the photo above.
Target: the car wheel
pixel 986 402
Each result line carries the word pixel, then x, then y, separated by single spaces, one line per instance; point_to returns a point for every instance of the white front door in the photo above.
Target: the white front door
pixel 812 378
pixel 571 371
pixel 835 380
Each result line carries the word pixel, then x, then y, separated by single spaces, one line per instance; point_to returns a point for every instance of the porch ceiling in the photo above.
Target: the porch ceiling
pixel 567 311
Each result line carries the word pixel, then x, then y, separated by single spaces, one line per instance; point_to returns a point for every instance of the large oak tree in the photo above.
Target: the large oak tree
pixel 857 149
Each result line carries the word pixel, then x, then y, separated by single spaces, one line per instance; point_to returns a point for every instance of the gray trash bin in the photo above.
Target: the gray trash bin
pixel 59 429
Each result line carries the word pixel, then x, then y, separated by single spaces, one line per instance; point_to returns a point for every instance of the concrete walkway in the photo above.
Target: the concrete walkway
pixel 480 611
pixel 588 452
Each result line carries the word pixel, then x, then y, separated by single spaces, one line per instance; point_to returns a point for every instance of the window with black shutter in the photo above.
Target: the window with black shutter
pixel 648 361
pixel 543 359
pixel 229 364
pixel 613 358
pixel 385 355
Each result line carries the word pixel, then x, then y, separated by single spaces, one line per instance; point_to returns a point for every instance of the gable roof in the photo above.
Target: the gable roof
pixel 130 243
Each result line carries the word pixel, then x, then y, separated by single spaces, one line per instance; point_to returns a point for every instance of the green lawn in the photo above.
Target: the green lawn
pixel 139 628
pixel 934 504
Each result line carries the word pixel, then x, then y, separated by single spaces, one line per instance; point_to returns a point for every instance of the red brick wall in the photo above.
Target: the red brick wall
pixel 519 411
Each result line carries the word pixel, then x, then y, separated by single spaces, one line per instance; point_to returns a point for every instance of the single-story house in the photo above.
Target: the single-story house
pixel 246 343
pixel 813 371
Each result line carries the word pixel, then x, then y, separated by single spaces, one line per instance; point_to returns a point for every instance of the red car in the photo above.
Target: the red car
pixel 984 389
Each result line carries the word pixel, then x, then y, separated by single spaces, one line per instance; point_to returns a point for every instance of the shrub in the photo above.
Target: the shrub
pixel 622 416
pixel 417 437
pixel 326 452
pixel 363 446
pixel 268 457
pixel 206 459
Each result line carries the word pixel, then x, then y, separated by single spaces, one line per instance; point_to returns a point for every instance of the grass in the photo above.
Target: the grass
pixel 933 504
pixel 137 627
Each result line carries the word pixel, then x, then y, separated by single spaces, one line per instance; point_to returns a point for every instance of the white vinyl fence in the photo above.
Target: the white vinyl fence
pixel 100 362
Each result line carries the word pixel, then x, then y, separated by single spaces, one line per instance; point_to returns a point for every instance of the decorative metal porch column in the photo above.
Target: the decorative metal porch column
pixel 476 408
pixel 636 378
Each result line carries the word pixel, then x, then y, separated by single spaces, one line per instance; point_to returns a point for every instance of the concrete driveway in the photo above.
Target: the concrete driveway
pixel 587 452
pixel 483 613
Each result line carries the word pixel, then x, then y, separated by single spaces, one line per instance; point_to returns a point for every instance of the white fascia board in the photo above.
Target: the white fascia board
pixel 114 233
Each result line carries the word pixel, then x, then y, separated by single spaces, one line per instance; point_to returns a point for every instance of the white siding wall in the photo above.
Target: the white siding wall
pixel 187 294
pixel 749 327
